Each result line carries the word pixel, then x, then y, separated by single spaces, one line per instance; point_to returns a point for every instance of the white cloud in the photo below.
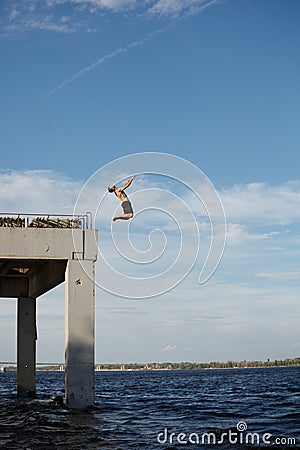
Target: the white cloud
pixel 161 7
pixel 115 5
pixel 47 23
pixel 280 275
pixel 176 7
pixel 37 191
pixel 64 19
pixel 169 348
pixel 87 15
pixel 13 13
pixel 237 234
pixel 262 203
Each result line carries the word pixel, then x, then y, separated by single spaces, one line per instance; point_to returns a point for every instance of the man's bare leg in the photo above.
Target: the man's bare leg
pixel 122 217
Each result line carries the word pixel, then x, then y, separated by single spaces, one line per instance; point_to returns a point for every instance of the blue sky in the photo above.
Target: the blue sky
pixel 217 83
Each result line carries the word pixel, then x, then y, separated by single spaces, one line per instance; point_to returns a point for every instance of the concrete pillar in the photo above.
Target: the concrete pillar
pixel 26 345
pixel 79 339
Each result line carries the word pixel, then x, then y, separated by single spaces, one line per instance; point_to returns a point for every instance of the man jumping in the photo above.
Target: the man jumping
pixel 126 205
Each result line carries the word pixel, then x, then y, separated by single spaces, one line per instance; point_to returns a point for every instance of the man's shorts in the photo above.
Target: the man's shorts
pixel 127 208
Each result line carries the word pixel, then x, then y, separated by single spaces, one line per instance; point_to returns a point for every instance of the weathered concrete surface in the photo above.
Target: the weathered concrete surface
pixel 50 274
pixel 30 278
pixel 47 243
pixel 26 345
pixel 79 339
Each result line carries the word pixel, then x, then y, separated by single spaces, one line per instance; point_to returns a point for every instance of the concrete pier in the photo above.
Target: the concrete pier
pixel 37 254
pixel 26 345
pixel 79 329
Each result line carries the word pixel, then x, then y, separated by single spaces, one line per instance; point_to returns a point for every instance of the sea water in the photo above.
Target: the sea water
pixel 210 409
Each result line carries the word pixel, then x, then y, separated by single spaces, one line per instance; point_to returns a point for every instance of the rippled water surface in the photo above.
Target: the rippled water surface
pixel 149 410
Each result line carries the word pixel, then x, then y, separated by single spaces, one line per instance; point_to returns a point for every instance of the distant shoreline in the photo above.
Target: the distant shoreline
pixel 206 368
pixel 133 367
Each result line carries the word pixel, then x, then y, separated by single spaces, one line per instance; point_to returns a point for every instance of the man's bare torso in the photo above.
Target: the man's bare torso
pixel 121 195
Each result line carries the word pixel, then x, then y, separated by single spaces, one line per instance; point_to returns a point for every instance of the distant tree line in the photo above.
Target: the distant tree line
pixel 201 365
pixel 287 362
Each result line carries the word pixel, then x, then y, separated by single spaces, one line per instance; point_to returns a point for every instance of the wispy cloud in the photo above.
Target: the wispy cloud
pixel 37 191
pixel 239 233
pixel 178 7
pixel 19 17
pixel 22 11
pixel 72 16
pixel 263 203
pixel 280 275
pixel 103 59
pixel 169 348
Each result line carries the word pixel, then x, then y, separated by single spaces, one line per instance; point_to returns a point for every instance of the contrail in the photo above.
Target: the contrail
pixel 129 46
pixel 89 68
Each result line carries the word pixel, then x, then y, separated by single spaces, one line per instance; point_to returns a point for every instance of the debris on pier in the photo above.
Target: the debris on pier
pixel 12 222
pixel 41 222
pixel 47 222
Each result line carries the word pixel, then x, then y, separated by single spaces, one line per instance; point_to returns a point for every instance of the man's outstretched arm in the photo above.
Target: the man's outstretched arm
pixel 128 183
